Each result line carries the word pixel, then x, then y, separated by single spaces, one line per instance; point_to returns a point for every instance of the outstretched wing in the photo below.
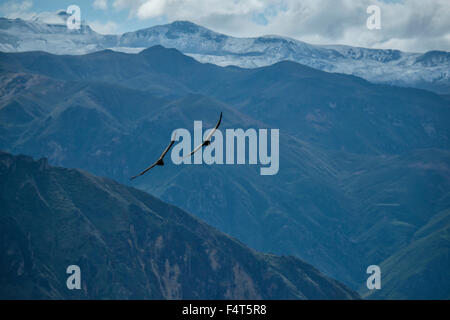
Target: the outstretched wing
pixel 140 174
pixel 168 147
pixel 208 138
pixel 195 150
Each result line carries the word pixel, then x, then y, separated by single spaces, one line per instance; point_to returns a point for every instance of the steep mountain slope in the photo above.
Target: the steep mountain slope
pixel 128 244
pixel 429 70
pixel 362 166
pixel 420 270
pixel 83 131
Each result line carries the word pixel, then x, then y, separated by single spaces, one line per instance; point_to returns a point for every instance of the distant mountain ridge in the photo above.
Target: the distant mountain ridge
pixel 429 70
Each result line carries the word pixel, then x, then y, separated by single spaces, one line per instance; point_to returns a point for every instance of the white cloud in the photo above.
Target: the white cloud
pixel 13 9
pixel 410 25
pixel 100 4
pixel 108 27
pixel 151 9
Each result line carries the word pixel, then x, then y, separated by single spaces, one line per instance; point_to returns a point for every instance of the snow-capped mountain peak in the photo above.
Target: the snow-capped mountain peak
pixel 429 70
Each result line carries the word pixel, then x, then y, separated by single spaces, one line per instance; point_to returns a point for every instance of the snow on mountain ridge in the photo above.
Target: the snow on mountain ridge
pixel 429 70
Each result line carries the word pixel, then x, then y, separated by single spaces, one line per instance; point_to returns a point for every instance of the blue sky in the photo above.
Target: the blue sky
pixel 410 25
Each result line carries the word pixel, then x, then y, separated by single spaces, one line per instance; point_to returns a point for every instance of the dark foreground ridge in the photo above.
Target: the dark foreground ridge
pixel 128 244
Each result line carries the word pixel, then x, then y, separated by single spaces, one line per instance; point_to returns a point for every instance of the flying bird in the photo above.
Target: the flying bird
pixel 207 141
pixel 158 162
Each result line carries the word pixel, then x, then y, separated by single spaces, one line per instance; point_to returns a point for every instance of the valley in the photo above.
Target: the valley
pixel 363 167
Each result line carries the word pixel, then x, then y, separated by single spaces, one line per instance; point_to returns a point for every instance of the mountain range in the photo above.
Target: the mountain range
pixel 128 245
pixel 364 168
pixel 428 70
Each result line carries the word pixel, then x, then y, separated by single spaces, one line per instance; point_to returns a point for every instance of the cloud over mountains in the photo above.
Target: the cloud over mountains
pixel 409 25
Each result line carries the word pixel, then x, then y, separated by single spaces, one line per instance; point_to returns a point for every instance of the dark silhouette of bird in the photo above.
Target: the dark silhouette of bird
pixel 207 141
pixel 158 162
